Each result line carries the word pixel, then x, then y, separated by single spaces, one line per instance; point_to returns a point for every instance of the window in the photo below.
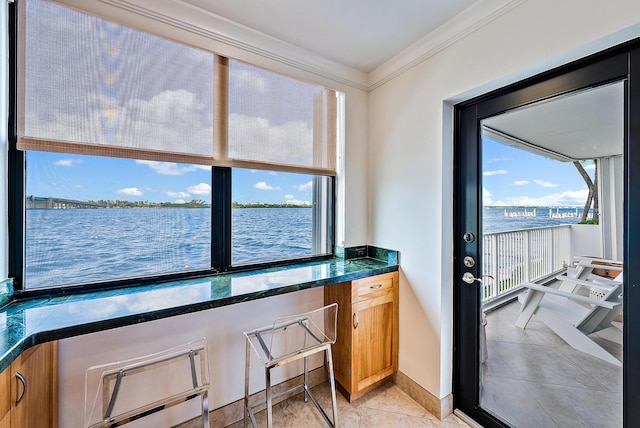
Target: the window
pixel 139 158
pixel 277 216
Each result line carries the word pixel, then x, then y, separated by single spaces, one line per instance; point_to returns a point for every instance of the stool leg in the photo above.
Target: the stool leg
pixel 205 410
pixel 268 392
pixel 246 382
pixel 332 383
pixel 306 379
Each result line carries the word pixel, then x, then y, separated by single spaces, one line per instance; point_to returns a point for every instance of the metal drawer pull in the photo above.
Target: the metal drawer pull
pixel 24 388
pixel 375 287
pixel 355 320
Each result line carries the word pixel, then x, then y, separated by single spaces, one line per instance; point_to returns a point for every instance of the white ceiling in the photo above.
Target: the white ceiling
pixel 585 125
pixel 362 34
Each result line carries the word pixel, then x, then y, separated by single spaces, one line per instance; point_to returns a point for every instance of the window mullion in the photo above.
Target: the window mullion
pixel 16 164
pixel 221 218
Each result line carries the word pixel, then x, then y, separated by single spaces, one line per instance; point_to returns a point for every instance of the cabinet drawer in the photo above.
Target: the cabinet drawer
pixel 373 286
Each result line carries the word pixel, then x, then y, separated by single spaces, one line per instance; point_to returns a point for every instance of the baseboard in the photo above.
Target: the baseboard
pixel 440 408
pixel 234 412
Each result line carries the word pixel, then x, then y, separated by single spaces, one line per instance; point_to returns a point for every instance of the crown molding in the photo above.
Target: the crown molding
pixel 229 34
pixel 228 37
pixel 466 22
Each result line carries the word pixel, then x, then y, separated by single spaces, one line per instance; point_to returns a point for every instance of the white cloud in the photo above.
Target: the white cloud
pixel 178 194
pixel 171 168
pixel 297 202
pixel 486 197
pixel 262 185
pixel 129 191
pixel 255 138
pixel 591 166
pixel 520 182
pixel 170 120
pixel 291 200
pixel 179 201
pixel 498 160
pixel 68 162
pixel 496 172
pixel 305 187
pixel 199 189
pixel 563 199
pixel 545 183
pixel 249 80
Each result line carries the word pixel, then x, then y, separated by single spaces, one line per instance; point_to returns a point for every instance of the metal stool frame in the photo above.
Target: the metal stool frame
pixel 316 344
pixel 151 362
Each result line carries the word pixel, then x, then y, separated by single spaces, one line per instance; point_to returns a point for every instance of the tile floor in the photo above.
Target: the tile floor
pixel 534 379
pixel 385 407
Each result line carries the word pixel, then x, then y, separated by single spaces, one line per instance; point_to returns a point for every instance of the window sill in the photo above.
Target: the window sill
pixel 34 321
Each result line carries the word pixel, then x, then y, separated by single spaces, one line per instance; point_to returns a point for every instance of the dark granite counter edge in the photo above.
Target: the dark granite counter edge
pixel 43 336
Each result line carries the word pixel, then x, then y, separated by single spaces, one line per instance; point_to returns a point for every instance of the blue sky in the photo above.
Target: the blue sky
pixel 92 178
pixel 515 177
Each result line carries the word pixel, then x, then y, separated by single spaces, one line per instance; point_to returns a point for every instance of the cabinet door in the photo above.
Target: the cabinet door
pixel 6 421
pixel 33 407
pixel 5 400
pixel 374 340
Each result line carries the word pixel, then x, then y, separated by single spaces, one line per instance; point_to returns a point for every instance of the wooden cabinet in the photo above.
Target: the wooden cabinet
pixel 5 400
pixel 366 349
pixel 29 388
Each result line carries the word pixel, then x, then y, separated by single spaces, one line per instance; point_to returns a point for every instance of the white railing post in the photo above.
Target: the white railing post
pixel 495 267
pixel 527 255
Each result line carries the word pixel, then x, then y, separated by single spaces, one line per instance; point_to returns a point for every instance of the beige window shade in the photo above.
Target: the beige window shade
pixel 279 121
pixel 89 86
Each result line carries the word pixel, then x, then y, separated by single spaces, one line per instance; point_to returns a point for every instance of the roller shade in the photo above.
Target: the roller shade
pixel 90 86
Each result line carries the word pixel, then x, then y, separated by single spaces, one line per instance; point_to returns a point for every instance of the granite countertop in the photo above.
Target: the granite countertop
pixel 25 323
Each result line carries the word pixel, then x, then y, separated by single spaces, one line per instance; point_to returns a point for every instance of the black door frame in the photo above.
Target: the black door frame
pixel 621 63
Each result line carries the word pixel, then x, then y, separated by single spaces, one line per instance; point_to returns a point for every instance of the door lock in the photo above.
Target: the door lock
pixel 469 262
pixel 469 237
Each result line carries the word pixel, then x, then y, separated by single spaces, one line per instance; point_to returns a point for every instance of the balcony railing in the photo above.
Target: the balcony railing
pixel 518 256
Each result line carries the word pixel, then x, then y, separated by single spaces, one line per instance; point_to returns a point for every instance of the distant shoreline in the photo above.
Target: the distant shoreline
pixel 59 203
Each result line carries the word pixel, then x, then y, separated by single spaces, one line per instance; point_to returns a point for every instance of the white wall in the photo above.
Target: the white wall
pixel 586 240
pixel 410 153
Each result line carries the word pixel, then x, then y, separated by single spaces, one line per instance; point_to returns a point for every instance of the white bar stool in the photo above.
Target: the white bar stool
pixel 289 339
pixel 124 391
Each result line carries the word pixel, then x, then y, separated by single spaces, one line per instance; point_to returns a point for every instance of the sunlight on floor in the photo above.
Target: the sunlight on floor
pixel 534 379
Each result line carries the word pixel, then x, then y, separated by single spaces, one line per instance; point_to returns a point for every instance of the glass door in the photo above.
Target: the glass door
pixel 551 180
pixel 523 178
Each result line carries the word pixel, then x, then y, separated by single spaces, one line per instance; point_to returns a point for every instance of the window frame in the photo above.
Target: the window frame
pixel 221 208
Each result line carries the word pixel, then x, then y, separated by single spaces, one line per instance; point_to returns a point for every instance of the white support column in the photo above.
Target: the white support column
pixel 611 205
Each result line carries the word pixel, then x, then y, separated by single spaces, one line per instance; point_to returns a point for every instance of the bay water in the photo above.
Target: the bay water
pixel 71 246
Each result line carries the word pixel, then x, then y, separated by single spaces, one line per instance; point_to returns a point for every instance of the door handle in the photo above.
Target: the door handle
pixel 23 381
pixel 470 279
pixel 355 320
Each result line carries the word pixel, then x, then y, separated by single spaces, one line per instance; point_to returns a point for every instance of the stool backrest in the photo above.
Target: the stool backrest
pixel 124 391
pixel 292 334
